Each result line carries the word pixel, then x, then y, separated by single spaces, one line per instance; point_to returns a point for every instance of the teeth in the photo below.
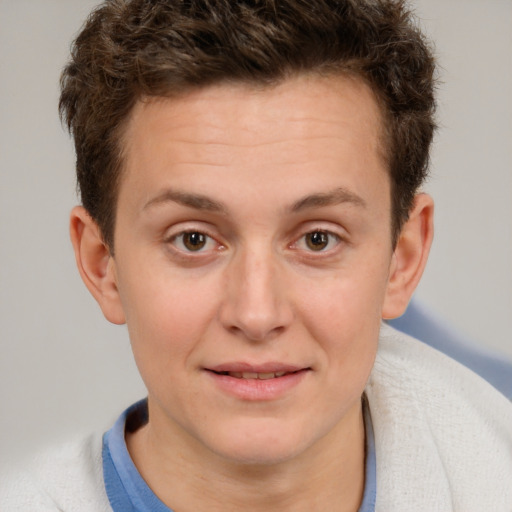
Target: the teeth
pixel 254 375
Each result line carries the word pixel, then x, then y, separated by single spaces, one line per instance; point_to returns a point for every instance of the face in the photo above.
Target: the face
pixel 253 254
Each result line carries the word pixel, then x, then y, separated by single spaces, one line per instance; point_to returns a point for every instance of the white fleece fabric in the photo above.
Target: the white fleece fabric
pixel 443 443
pixel 66 479
pixel 443 435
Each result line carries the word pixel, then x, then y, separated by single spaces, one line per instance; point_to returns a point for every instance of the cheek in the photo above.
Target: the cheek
pixel 347 303
pixel 343 315
pixel 167 316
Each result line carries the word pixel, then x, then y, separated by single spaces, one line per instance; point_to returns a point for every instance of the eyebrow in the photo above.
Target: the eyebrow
pixel 337 196
pixel 196 201
pixel 201 202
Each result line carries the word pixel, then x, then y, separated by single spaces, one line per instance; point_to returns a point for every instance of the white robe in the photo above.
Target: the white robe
pixel 443 441
pixel 443 435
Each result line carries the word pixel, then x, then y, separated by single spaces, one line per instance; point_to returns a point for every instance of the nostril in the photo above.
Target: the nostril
pixel 257 334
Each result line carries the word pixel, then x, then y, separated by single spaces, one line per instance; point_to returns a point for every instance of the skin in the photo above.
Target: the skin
pixel 259 176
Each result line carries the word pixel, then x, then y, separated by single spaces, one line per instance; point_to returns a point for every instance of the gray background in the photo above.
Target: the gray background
pixel 63 368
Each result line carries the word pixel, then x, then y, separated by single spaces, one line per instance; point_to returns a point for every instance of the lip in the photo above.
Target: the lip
pixel 257 389
pixel 270 367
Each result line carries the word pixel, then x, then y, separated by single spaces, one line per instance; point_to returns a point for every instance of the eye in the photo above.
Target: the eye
pixel 318 241
pixel 192 241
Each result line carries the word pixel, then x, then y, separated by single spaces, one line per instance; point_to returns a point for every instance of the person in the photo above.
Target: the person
pixel 250 177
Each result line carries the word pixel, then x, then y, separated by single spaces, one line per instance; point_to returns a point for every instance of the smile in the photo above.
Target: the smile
pixel 257 383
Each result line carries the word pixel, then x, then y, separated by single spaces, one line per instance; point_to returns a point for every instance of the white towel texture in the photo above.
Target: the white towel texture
pixel 443 443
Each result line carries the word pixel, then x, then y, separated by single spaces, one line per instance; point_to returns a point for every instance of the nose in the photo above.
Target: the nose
pixel 256 303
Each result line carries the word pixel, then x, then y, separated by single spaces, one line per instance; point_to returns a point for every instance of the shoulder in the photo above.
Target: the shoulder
pixel 66 478
pixel 441 431
pixel 425 325
pixel 422 372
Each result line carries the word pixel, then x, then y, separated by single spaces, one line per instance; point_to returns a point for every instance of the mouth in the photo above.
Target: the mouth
pixel 255 375
pixel 265 382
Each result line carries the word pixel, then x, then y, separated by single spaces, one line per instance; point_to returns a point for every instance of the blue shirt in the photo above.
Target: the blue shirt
pixel 128 492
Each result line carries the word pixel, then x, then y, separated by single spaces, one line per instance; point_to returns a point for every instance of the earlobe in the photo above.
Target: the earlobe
pixel 410 257
pixel 95 264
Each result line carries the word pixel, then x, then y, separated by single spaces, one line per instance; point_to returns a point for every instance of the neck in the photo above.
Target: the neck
pixel 329 475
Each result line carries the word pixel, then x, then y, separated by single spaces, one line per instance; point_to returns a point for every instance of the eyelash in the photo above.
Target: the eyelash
pixel 332 239
pixel 179 240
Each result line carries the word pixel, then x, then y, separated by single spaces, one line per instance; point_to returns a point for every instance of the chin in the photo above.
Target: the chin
pixel 260 444
pixel 266 454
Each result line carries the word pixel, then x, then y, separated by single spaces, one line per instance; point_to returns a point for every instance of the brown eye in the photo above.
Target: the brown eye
pixel 317 240
pixel 194 244
pixel 194 241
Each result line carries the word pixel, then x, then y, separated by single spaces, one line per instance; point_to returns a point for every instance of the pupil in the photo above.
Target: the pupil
pixel 317 240
pixel 194 241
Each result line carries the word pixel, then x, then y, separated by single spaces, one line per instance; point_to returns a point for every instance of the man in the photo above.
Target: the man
pixel 249 175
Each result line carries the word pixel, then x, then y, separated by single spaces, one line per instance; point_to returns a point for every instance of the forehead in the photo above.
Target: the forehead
pixel 242 109
pixel 295 130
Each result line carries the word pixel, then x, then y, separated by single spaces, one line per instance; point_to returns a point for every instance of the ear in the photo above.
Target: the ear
pixel 410 257
pixel 95 264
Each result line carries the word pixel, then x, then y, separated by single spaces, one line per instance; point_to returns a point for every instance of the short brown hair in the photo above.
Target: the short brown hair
pixel 130 49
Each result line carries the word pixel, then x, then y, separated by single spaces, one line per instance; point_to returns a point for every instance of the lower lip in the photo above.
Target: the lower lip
pixel 258 389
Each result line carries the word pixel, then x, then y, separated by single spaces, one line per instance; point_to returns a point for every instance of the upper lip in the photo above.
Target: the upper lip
pixel 242 367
